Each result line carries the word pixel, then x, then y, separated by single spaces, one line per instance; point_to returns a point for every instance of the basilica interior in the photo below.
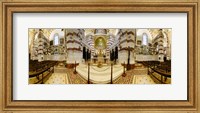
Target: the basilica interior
pixel 99 56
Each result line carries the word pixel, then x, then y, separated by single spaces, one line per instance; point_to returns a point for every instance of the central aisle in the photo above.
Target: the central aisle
pixel 100 75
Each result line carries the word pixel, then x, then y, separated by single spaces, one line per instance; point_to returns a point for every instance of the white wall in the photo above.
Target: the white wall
pixel 146 57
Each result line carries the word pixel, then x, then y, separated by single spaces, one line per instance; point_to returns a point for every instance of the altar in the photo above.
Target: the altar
pixel 100 59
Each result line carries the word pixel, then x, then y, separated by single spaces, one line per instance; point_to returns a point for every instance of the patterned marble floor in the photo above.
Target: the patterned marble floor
pixel 58 78
pixel 134 76
pixel 142 79
pixel 124 80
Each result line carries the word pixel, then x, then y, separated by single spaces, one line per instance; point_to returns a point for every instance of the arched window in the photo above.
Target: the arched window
pixel 56 39
pixel 144 39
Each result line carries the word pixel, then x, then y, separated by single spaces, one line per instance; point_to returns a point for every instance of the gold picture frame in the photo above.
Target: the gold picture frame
pixel 8 7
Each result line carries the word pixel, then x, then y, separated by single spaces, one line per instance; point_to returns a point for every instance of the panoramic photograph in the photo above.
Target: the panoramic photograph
pixel 99 55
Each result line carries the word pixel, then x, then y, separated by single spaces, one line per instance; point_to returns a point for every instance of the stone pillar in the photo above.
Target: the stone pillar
pixel 40 47
pixel 161 47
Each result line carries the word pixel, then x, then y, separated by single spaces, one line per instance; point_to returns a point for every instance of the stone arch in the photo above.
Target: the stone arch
pixel 56 31
pixel 140 33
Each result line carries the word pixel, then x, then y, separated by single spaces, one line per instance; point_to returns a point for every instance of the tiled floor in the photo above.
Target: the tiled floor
pixel 135 76
pixel 58 78
pixel 100 75
pixel 142 79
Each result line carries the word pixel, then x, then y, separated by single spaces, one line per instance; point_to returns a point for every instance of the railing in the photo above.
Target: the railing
pixel 89 81
pixel 35 66
pixel 158 73
pixel 160 77
pixel 42 74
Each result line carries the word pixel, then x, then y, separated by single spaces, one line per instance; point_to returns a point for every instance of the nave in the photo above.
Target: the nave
pixel 100 56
